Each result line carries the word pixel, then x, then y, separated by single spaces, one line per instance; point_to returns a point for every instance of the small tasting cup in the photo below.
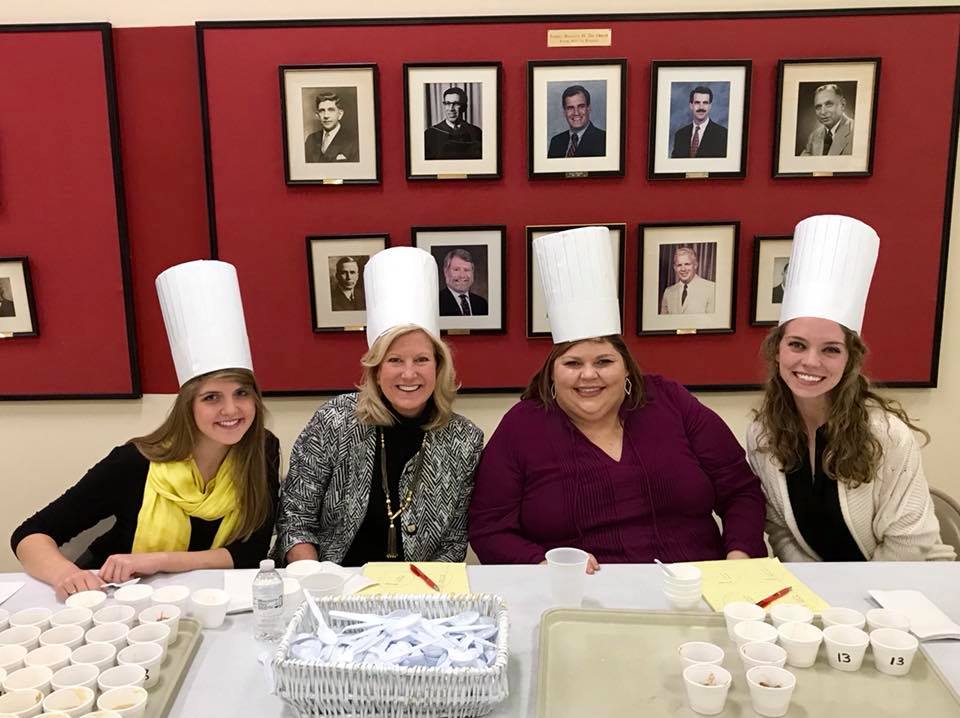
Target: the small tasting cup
pixel 129 701
pixel 24 703
pixel 684 575
pixel 86 599
pixel 39 617
pixel 11 657
pixel 567 571
pixel 304 567
pixel 166 613
pixel 80 674
pixel 101 655
pixel 26 636
pixel 4 619
pixel 846 646
pixel 78 616
pixel 683 602
pixel 175 594
pixel 30 678
pixel 158 633
pixel 893 650
pixel 738 611
pixel 839 616
pixel 70 636
pixel 75 702
pixel 113 633
pixel 53 657
pixel 887 618
pixel 121 676
pixel 292 597
pixel 789 613
pixel 209 606
pixel 694 652
pixel 801 641
pixel 102 714
pixel 136 595
pixel 707 687
pixel 748 631
pixel 118 613
pixel 322 584
pixel 771 689
pixel 149 656
pixel 761 653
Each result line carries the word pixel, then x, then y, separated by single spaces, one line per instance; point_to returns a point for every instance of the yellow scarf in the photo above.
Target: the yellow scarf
pixel 174 492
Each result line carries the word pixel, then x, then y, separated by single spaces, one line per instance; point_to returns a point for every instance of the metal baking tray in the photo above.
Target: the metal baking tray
pixel 611 663
pixel 175 666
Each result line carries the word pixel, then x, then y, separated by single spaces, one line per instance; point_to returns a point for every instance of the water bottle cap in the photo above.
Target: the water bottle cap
pixel 266 564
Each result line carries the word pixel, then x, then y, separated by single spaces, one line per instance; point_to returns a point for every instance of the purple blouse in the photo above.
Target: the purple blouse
pixel 542 484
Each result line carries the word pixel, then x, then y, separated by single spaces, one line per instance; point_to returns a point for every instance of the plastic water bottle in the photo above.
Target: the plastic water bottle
pixel 268 602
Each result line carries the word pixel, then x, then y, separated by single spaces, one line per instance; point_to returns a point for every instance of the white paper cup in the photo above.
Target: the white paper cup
pixel 292 597
pixel 78 616
pixel 39 617
pixel 693 652
pixel 738 611
pixel 35 678
pixel 846 646
pixel 147 655
pixel 173 595
pixel 113 633
pixel 137 595
pixel 4 619
pixel 209 606
pixel 22 703
pixel 567 569
pixel 707 687
pixel 801 641
pixel 158 633
pixel 129 702
pixel 684 575
pixel 70 636
pixel 887 618
pixel 26 636
pixel 166 613
pixel 322 584
pixel 683 602
pixel 118 613
pixel 893 650
pixel 122 676
pixel 749 631
pixel 839 616
pixel 299 569
pixel 86 599
pixel 53 657
pixel 102 714
pixel 790 613
pixel 80 674
pixel 11 657
pixel 761 653
pixel 101 655
pixel 72 701
pixel 771 689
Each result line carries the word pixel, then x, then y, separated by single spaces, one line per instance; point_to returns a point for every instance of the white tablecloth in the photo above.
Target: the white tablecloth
pixel 226 680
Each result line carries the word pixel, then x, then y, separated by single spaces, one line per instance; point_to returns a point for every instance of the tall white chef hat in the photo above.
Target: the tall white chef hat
pixel 203 313
pixel 831 266
pixel 577 274
pixel 401 287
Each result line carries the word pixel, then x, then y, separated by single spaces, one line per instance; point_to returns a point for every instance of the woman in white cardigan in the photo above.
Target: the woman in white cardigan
pixel 840 465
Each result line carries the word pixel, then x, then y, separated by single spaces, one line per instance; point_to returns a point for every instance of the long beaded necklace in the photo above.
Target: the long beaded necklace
pixel 407 497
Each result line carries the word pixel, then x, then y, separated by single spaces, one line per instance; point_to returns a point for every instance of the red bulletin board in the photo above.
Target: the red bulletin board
pixel 259 223
pixel 61 205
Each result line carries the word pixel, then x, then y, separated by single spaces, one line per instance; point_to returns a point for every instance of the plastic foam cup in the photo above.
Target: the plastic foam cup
pixel 846 646
pixel 749 631
pixel 567 568
pixel 158 633
pixel 209 606
pixel 304 567
pixel 801 641
pixel 129 702
pixel 101 655
pixel 839 616
pixel 761 653
pixel 35 678
pixel 26 636
pixel 86 599
pixel 121 676
pixel 292 598
pixel 11 657
pixel 166 613
pixel 81 674
pixel 683 602
pixel 22 703
pixel 72 701
pixel 893 650
pixel 4 619
pixel 136 595
pixel 78 616
pixel 147 655
pixel 887 618
pixel 102 714
pixel 707 687
pixel 694 652
pixel 771 689
pixel 69 636
pixel 118 613
pixel 172 595
pixel 113 633
pixel 322 584
pixel 684 575
pixel 789 613
pixel 39 617
pixel 738 611
pixel 53 657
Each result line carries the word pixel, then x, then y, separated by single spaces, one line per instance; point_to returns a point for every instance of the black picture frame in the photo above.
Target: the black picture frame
pixel 325 253
pixel 18 306
pixel 771 255
pixel 475 153
pixel 548 80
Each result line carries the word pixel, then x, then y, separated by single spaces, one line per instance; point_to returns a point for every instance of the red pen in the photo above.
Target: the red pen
pixel 424 577
pixel 764 602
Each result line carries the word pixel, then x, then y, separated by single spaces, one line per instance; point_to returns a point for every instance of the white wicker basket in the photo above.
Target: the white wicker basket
pixel 316 689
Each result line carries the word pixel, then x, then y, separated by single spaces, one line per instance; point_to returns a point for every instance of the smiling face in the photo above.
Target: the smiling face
pixel 812 356
pixel 589 381
pixel 223 410
pixel 407 375
pixel 700 107
pixel 458 274
pixel 685 266
pixel 829 107
pixel 452 107
pixel 577 110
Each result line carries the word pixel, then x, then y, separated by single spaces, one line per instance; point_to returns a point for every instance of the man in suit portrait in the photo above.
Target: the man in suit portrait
pixel 7 308
pixel 453 138
pixel 457 299
pixel 777 294
pixel 344 294
pixel 333 142
pixel 702 137
pixel 834 134
pixel 691 293
pixel 583 139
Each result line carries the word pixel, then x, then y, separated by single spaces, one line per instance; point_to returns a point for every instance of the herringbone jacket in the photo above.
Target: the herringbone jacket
pixel 324 498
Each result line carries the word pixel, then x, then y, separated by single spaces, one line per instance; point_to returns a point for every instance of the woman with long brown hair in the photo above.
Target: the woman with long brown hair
pixel 840 464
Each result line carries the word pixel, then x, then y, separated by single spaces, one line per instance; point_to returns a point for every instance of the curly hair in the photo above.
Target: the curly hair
pixel 852 454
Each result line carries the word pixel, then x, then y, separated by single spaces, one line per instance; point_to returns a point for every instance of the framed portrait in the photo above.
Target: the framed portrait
pixel 687 278
pixel 18 312
pixel 472 270
pixel 538 323
pixel 699 119
pixel 771 259
pixel 335 271
pixel 826 117
pixel 331 126
pixel 576 118
pixel 452 120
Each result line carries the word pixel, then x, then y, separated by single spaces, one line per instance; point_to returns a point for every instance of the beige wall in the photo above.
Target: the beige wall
pixel 46 446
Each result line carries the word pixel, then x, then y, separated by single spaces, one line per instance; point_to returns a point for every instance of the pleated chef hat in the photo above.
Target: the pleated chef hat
pixel 577 275
pixel 831 266
pixel 401 287
pixel 203 313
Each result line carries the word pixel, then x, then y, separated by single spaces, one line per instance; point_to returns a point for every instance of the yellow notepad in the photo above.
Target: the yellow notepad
pixel 396 577
pixel 752 580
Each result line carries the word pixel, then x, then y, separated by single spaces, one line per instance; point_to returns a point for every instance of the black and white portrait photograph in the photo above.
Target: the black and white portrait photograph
pixel 453 120
pixel 825 117
pixel 687 278
pixel 538 323
pixel 577 117
pixel 18 315
pixel 330 124
pixel 771 260
pixel 699 119
pixel 335 274
pixel 470 266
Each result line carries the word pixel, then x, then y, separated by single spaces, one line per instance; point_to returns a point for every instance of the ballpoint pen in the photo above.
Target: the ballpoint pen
pixel 424 577
pixel 764 602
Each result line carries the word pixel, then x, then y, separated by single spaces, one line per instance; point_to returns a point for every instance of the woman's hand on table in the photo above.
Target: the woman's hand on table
pixel 736 555
pixel 122 567
pixel 75 581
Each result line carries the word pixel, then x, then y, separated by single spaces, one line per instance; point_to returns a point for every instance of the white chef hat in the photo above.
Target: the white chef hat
pixel 401 287
pixel 203 313
pixel 831 266
pixel 577 274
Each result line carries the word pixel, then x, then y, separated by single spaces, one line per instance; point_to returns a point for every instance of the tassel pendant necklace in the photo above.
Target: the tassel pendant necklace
pixel 405 501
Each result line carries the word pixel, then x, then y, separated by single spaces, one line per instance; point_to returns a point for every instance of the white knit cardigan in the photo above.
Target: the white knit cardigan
pixel 891 518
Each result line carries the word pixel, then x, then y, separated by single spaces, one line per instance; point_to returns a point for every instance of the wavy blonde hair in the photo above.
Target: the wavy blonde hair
pixel 852 453
pixel 175 438
pixel 370 404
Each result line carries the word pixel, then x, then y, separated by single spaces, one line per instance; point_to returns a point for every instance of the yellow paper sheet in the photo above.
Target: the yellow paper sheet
pixel 396 577
pixel 752 580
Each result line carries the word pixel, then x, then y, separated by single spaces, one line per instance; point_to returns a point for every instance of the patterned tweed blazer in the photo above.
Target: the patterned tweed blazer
pixel 324 498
